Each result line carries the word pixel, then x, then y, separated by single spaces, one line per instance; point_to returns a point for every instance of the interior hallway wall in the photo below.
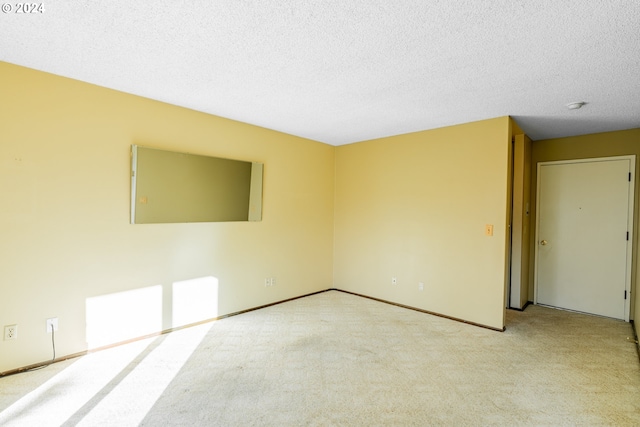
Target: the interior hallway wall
pixel 607 144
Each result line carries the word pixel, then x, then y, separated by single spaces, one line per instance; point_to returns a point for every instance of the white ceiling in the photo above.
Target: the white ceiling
pixel 341 71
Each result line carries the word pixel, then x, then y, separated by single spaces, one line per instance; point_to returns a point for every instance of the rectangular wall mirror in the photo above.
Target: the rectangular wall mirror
pixel 170 187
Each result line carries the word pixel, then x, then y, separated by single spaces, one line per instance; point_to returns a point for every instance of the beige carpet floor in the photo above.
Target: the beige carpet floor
pixel 336 359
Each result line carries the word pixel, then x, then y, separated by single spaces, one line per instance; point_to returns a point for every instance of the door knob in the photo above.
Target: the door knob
pixel 543 242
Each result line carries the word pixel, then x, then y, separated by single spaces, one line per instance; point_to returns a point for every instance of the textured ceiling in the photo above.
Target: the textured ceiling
pixel 341 71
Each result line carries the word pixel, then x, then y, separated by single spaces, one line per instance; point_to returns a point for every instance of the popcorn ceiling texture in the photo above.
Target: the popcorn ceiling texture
pixel 344 71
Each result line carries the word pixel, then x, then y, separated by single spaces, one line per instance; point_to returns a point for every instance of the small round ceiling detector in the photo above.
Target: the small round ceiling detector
pixel 575 105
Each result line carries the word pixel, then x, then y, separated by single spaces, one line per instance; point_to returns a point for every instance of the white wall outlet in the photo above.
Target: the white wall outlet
pixel 394 280
pixel 421 286
pixel 267 282
pixel 52 323
pixel 273 281
pixel 10 332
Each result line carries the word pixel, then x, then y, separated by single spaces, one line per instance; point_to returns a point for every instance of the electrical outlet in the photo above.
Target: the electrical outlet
pixel 52 322
pixel 267 282
pixel 10 332
pixel 394 281
pixel 273 281
pixel 421 286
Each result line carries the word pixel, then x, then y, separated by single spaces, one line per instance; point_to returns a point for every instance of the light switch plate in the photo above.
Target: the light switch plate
pixel 488 229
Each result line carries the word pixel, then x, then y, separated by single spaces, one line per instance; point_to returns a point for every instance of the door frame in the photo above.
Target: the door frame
pixel 520 226
pixel 629 261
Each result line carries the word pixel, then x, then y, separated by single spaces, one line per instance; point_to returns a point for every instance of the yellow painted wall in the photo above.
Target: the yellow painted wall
pixel 412 206
pixel 415 207
pixel 605 144
pixel 66 244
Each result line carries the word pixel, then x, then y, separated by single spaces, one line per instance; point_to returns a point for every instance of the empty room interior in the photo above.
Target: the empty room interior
pixel 442 226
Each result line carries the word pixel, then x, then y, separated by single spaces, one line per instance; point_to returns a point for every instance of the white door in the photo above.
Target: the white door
pixel 583 248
